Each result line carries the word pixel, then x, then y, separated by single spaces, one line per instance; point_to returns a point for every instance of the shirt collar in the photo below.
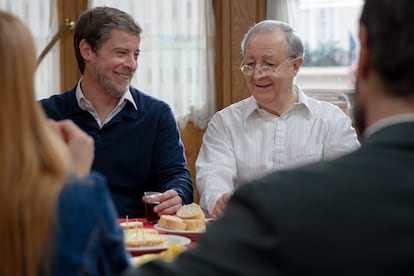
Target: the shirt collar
pixel 251 106
pixel 303 100
pixel 81 99
pixel 403 118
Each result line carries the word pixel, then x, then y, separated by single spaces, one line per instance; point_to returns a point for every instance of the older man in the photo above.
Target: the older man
pixel 277 127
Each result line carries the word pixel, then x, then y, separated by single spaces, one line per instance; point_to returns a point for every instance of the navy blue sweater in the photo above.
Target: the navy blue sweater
pixel 137 150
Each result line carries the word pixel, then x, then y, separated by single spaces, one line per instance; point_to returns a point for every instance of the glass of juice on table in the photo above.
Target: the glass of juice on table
pixel 151 200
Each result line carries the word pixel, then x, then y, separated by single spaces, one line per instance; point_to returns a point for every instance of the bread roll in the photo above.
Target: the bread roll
pixel 171 222
pixel 190 211
pixel 195 224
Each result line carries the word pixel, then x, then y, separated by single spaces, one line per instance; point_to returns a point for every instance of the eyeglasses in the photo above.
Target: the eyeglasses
pixel 265 70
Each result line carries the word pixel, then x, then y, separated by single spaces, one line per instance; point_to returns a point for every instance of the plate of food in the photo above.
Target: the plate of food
pixel 173 250
pixel 189 221
pixel 192 234
pixel 153 243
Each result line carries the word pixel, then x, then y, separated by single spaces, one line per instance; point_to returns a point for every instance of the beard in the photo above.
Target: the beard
pixel 109 86
pixel 359 112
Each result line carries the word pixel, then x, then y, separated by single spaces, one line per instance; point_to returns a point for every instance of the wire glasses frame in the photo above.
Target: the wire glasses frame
pixel 265 70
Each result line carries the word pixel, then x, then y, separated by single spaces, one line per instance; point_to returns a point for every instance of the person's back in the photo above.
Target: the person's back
pixel 350 216
pixel 88 239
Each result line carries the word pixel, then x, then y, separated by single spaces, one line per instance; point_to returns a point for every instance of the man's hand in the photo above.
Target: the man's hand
pixel 170 202
pixel 220 205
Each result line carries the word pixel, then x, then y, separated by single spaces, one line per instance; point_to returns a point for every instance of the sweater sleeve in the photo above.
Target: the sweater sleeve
pixel 170 165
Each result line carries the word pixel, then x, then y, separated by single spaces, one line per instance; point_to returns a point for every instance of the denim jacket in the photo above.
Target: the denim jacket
pixel 88 239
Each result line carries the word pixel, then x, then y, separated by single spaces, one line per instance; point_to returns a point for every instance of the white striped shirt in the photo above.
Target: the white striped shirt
pixel 243 142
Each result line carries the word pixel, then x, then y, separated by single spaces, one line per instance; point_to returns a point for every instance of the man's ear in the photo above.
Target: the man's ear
pixel 296 65
pixel 85 49
pixel 365 54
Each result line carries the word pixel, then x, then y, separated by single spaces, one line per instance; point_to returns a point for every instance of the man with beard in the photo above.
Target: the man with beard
pixel 348 216
pixel 137 142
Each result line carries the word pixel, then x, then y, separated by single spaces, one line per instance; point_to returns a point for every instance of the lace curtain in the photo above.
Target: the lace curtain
pixel 41 18
pixel 176 62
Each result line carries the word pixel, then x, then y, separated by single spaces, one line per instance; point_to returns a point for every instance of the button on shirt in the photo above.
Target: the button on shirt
pixel 243 142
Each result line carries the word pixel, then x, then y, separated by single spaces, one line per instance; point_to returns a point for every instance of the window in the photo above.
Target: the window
pixel 41 18
pixel 328 29
pixel 176 62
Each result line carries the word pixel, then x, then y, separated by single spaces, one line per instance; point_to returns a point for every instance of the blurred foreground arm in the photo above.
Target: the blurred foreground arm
pixel 81 146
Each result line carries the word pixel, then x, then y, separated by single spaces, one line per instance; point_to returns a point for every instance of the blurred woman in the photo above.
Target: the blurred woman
pixel 56 218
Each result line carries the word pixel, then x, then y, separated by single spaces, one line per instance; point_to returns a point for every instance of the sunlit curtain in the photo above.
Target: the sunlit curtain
pixel 41 17
pixel 176 62
pixel 280 10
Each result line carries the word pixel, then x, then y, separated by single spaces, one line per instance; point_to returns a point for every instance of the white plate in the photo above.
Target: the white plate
pixel 186 233
pixel 168 239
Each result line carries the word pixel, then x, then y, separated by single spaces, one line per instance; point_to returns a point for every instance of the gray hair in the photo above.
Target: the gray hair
pixel 295 46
